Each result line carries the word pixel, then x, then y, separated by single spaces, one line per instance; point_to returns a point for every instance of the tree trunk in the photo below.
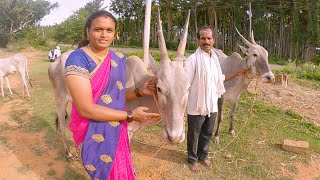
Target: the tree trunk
pixel 169 18
pixel 194 9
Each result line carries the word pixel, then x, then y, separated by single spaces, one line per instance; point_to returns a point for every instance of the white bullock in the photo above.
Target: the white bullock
pixel 257 66
pixel 9 66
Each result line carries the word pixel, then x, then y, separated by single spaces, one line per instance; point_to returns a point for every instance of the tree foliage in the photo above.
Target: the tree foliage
pixel 71 30
pixel 289 29
pixel 16 15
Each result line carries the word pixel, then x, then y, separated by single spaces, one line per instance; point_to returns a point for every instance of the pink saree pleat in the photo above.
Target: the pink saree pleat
pixel 122 168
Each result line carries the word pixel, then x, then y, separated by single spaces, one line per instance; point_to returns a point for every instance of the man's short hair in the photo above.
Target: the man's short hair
pixel 202 28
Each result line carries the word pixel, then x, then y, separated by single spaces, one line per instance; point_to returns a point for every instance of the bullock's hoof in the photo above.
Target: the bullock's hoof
pixel 216 139
pixel 232 133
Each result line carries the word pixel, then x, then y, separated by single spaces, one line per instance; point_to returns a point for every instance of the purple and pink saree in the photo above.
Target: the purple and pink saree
pixel 105 149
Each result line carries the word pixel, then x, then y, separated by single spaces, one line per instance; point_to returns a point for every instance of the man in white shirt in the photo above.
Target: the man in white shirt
pixel 206 81
pixel 57 52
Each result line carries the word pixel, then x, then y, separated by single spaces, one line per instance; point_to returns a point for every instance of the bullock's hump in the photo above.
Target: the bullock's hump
pixel 235 55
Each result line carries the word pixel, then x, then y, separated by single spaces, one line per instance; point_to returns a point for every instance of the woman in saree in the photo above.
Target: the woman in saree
pixel 96 78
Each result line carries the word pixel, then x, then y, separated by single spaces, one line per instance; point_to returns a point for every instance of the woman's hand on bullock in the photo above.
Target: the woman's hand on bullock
pixel 148 87
pixel 140 114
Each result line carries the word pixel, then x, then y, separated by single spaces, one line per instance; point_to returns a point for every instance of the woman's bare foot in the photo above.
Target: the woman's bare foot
pixel 194 167
pixel 207 163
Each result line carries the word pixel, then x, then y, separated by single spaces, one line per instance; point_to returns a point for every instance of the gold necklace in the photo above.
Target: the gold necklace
pixel 94 54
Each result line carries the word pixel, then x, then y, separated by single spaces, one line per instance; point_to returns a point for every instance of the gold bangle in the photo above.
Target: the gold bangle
pixel 136 91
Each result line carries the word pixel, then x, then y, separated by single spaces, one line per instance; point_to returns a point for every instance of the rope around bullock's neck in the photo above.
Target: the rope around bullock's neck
pixel 214 152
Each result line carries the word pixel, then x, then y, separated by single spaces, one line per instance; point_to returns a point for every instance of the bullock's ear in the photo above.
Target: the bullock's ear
pixel 153 65
pixel 244 50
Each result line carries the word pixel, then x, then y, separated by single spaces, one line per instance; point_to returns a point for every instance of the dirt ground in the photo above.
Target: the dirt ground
pixel 33 159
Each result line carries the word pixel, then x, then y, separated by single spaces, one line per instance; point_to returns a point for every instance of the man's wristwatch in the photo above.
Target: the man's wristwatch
pixel 129 116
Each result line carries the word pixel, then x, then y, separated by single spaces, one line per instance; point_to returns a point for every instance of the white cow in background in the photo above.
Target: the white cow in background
pixel 54 53
pixel 9 66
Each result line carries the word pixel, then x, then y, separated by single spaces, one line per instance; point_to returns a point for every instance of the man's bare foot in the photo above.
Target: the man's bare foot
pixel 194 167
pixel 207 163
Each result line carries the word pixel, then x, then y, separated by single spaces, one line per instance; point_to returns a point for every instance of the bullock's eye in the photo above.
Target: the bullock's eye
pixel 255 55
pixel 159 90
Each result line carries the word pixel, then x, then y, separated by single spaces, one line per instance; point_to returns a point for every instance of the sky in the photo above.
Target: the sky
pixel 65 9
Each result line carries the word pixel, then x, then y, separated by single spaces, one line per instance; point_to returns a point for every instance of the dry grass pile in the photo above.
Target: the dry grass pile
pixel 304 101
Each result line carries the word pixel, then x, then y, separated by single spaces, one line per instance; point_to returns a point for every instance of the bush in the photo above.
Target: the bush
pixel 316 60
pixel 29 37
pixel 276 59
pixel 171 45
pixel 40 43
pixel 155 55
pixel 303 71
pixel 4 39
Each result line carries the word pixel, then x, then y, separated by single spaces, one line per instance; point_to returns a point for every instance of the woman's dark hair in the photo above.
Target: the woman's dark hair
pixel 203 28
pixel 93 16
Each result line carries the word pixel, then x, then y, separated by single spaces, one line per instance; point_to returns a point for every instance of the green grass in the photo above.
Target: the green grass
pixel 23 169
pixel 73 174
pixel 3 138
pixel 51 172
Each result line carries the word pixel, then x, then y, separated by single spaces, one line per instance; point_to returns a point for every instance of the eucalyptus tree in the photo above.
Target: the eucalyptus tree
pixel 130 15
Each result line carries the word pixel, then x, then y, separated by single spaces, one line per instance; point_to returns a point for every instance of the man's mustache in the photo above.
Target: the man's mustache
pixel 206 44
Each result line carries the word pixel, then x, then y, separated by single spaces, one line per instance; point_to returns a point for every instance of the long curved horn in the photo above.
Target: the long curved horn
pixel 146 33
pixel 246 42
pixel 162 44
pixel 252 39
pixel 183 41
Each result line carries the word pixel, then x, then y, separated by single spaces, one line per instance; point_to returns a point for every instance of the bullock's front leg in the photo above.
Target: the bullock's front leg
pixel 219 119
pixel 8 85
pixel 232 110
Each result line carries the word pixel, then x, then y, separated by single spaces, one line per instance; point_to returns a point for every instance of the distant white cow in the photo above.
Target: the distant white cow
pixel 54 53
pixel 9 66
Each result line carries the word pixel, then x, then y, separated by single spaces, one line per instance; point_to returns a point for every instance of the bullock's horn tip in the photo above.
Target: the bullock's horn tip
pixel 237 29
